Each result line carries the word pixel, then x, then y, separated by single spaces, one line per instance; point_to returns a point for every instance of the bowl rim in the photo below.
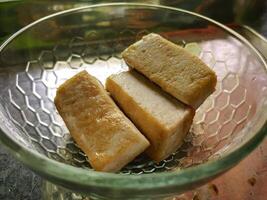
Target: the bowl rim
pixel 89 178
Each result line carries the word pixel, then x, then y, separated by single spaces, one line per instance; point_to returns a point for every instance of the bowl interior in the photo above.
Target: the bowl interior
pixel 35 62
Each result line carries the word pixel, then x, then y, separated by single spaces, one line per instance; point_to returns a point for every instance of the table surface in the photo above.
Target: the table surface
pixel 246 181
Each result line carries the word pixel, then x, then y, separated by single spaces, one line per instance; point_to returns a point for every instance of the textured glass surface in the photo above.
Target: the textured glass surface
pixel 36 61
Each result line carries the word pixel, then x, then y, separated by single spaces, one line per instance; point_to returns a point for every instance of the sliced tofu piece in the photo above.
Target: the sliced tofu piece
pixel 102 131
pixel 160 117
pixel 175 70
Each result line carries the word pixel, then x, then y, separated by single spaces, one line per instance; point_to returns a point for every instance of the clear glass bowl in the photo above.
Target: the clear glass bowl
pixel 38 58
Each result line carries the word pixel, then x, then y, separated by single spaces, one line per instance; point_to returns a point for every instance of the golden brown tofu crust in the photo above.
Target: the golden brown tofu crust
pixel 101 130
pixel 175 70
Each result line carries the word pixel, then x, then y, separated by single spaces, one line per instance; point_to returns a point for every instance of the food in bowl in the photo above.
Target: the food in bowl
pixel 109 139
pixel 160 117
pixel 174 69
pixel 106 135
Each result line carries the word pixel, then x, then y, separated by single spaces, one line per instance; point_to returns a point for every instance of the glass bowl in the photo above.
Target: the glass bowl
pixel 37 59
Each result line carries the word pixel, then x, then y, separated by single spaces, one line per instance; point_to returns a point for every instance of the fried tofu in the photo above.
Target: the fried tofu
pixel 101 130
pixel 163 119
pixel 175 70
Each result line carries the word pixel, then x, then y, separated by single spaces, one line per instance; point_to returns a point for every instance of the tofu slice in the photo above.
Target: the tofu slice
pixel 163 119
pixel 175 70
pixel 102 131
